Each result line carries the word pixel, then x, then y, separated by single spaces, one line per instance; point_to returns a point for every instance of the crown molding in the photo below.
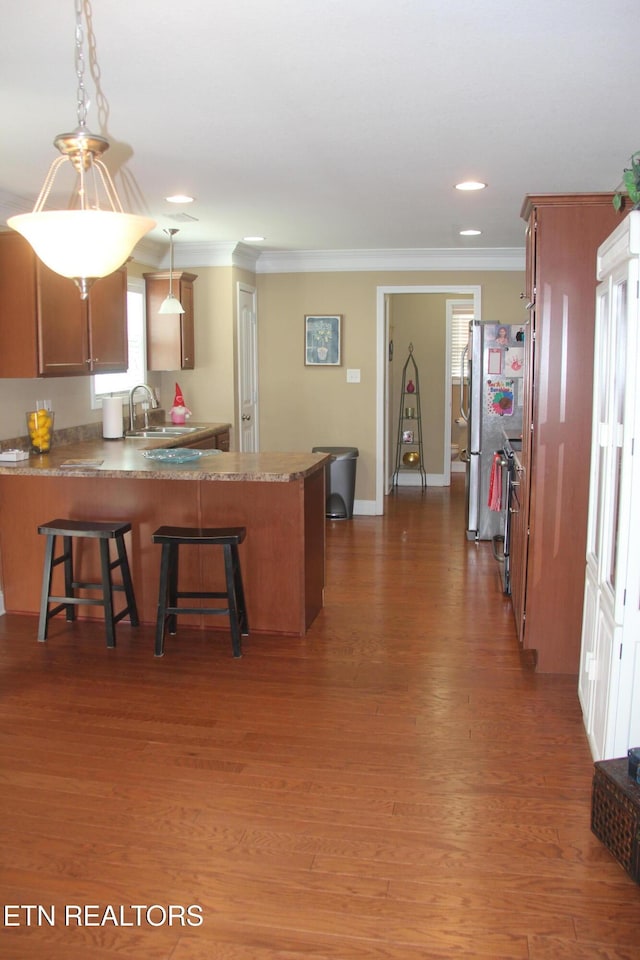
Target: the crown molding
pixel 199 254
pixel 194 254
pixel 316 261
pixel 150 252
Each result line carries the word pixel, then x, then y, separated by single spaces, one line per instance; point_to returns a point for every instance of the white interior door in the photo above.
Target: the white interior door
pixel 249 441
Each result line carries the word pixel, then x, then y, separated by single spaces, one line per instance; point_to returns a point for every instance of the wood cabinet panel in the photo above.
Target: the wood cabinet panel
pixel 223 441
pixel 18 309
pixel 219 441
pixel 63 335
pixel 108 337
pixel 187 324
pixel 209 443
pixel 170 337
pixel 283 520
pixel 564 233
pixel 47 329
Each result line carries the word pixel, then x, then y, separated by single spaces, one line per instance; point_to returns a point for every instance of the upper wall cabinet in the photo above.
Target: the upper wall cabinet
pixel 46 329
pixel 170 337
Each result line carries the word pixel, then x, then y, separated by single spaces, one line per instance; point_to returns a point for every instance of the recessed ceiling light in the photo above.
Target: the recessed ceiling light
pixel 470 233
pixel 252 239
pixel 470 185
pixel 179 198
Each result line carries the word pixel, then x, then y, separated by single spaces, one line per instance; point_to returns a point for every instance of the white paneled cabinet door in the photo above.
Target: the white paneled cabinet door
pixel 609 680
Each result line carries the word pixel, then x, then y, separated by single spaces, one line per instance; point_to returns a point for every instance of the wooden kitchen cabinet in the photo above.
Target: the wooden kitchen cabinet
pixel 222 441
pixel 170 337
pixel 83 336
pixel 549 535
pixel 219 441
pixel 47 330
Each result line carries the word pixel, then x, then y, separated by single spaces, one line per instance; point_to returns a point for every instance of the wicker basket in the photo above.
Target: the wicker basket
pixel 615 813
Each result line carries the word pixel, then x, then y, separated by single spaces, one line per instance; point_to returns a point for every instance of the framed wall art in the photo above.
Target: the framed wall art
pixel 322 340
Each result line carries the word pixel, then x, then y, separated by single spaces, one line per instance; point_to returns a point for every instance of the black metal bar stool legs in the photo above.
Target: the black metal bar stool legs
pixel 103 531
pixel 229 538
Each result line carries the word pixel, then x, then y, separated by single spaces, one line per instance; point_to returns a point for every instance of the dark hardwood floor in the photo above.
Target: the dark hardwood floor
pixel 394 786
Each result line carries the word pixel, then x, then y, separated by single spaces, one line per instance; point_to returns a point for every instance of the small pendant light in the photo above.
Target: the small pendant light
pixel 171 304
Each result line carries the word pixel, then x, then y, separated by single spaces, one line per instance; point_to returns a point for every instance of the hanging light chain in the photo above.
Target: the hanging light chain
pixel 171 232
pixel 82 104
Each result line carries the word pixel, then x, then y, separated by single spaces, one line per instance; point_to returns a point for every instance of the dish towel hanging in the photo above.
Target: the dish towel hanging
pixel 495 483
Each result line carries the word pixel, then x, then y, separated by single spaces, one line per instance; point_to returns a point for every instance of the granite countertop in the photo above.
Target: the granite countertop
pixel 123 458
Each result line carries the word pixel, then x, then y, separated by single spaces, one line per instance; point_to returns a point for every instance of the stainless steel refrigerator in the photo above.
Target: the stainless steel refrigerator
pixel 493 412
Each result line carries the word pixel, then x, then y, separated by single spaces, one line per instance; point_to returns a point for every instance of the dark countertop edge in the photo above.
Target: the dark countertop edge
pixel 170 472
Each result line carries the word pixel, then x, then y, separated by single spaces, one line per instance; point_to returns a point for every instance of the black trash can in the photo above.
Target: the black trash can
pixel 340 479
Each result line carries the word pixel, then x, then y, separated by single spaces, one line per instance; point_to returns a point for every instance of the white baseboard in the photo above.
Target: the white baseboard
pixel 2 609
pixel 364 508
pixel 414 480
pixel 367 508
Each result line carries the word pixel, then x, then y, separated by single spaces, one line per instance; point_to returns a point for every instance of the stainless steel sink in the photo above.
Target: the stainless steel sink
pixel 150 432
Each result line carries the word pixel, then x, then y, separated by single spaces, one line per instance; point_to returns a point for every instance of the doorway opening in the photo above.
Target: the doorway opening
pixel 385 437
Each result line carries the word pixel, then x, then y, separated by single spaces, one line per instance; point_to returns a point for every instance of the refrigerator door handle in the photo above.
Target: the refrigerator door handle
pixel 463 413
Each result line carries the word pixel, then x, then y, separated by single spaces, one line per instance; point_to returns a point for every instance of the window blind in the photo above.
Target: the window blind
pixel 461 316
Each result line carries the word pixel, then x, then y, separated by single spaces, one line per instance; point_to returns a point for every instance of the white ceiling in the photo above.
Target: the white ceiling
pixel 330 124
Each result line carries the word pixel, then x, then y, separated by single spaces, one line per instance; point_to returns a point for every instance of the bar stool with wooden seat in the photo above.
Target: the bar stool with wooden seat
pixel 102 531
pixel 172 538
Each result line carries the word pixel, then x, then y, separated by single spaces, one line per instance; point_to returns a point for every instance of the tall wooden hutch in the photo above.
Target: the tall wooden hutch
pixel 549 530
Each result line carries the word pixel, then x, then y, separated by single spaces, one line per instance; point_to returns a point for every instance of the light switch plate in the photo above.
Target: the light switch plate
pixel 353 376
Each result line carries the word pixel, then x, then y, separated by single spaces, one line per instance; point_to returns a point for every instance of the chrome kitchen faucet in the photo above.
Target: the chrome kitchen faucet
pixel 132 410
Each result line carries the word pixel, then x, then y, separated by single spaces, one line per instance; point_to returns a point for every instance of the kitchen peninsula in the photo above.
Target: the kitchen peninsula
pixel 278 497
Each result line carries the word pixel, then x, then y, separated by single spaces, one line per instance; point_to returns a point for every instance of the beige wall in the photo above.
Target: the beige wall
pixel 301 407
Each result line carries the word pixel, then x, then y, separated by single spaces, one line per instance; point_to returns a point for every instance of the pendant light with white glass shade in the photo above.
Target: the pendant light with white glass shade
pixel 171 304
pixel 95 236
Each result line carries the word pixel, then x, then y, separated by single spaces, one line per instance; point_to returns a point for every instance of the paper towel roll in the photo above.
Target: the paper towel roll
pixel 112 421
